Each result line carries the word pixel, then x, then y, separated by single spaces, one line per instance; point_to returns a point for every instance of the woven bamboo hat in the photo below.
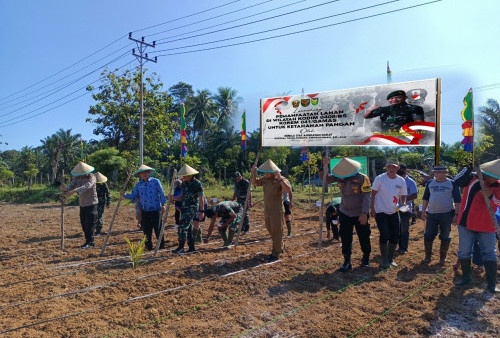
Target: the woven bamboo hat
pixel 187 171
pixel 100 178
pixel 82 168
pixel 491 168
pixel 144 168
pixel 392 161
pixel 346 168
pixel 268 167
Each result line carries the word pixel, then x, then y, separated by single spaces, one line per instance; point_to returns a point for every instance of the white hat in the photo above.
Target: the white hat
pixel 346 168
pixel 100 178
pixel 144 168
pixel 82 168
pixel 186 171
pixel 268 167
pixel 491 168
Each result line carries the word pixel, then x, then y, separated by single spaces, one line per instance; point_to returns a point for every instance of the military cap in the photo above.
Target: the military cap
pixel 396 93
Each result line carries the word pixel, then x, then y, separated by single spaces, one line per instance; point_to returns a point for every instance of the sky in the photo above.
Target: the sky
pixel 52 50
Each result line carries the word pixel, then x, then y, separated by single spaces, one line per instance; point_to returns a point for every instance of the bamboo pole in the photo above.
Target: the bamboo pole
pixel 63 198
pixel 324 187
pixel 160 236
pixel 115 213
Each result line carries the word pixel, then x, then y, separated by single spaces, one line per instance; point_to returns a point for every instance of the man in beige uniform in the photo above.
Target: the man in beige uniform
pixel 273 185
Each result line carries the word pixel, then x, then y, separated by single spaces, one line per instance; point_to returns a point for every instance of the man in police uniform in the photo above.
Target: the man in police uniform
pixel 396 115
pixel 355 188
pixel 241 186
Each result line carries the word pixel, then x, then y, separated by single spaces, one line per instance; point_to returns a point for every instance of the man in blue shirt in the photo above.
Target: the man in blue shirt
pixel 405 215
pixel 149 192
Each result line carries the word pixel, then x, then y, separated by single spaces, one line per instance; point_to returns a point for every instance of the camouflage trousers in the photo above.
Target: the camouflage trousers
pixel 246 218
pixel 185 229
pixel 99 221
pixel 233 226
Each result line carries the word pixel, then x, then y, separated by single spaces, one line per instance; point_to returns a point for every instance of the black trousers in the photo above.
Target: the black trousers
pixel 151 220
pixel 88 219
pixel 347 224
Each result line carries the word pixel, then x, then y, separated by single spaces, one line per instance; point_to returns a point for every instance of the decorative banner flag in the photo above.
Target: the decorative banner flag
pixel 389 73
pixel 183 131
pixel 304 155
pixel 243 132
pixel 468 126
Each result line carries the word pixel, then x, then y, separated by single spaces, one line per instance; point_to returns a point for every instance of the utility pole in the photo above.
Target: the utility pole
pixel 142 57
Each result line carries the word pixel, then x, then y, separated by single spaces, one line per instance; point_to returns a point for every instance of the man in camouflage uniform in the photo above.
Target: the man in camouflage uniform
pixel 228 211
pixel 193 204
pixel 241 186
pixel 354 206
pixel 103 200
pixel 396 115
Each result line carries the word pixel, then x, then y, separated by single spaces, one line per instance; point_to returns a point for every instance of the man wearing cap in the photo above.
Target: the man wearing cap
pixel 228 211
pixel 440 205
pixel 396 115
pixel 241 186
pixel 354 206
pixel 475 223
pixel 273 185
pixel 103 198
pixel 332 218
pixel 193 205
pixel 405 215
pixel 388 191
pixel 151 197
pixel 84 184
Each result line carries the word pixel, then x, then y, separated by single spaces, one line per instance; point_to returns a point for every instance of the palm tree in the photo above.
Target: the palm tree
pixel 202 110
pixel 227 101
pixel 60 148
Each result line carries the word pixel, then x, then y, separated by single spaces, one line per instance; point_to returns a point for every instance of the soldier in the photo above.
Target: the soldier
pixel 104 200
pixel 273 185
pixel 84 184
pixel 396 115
pixel 388 190
pixel 228 211
pixel 354 206
pixel 332 218
pixel 439 212
pixel 241 186
pixel 193 204
pixel 148 192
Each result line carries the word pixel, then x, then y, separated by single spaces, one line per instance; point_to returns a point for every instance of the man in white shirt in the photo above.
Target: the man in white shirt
pixel 388 190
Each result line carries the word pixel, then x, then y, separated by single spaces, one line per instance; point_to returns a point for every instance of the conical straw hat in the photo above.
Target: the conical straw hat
pixel 100 178
pixel 268 167
pixel 491 168
pixel 346 168
pixel 144 168
pixel 186 171
pixel 82 168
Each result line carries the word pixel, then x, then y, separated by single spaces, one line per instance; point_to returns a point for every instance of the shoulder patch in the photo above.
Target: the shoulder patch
pixel 366 187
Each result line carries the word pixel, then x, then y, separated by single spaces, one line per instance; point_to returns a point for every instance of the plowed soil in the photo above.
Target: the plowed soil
pixel 216 292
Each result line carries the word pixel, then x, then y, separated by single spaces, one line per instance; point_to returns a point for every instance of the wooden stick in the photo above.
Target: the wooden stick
pixel 62 212
pixel 486 196
pixel 114 215
pixel 245 206
pixel 324 185
pixel 160 236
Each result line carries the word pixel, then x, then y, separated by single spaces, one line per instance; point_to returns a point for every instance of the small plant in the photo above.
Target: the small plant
pixel 136 251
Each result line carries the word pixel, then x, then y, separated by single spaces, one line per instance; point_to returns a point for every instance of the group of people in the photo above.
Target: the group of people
pixel 389 200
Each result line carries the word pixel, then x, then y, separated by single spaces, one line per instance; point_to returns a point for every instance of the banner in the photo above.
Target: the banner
pixel 358 116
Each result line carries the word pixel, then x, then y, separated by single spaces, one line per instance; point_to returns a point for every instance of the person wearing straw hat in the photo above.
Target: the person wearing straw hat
pixel 440 205
pixel 151 198
pixel 354 206
pixel 193 205
pixel 103 198
pixel 273 185
pixel 84 184
pixel 475 223
pixel 388 192
pixel 229 212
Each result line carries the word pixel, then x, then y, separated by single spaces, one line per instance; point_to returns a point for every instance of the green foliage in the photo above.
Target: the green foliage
pixel 5 175
pixel 136 251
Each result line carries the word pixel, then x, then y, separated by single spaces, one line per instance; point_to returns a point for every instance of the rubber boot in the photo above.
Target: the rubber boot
pixel 443 250
pixel 199 236
pixel 191 246
pixel 180 248
pixel 428 251
pixel 466 272
pixel 289 228
pixel 383 254
pixel 347 266
pixel 230 237
pixel 491 268
pixel 390 254
pixel 365 261
pixel 223 234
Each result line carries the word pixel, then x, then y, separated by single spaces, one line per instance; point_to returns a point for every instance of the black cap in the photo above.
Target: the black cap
pixel 396 93
pixel 210 212
pixel 402 166
pixel 237 174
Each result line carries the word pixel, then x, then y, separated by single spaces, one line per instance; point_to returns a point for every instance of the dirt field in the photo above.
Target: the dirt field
pixel 46 292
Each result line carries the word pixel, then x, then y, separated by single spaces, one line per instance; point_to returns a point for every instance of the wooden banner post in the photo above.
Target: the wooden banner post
pixel 160 236
pixel 114 215
pixel 324 187
pixel 63 198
